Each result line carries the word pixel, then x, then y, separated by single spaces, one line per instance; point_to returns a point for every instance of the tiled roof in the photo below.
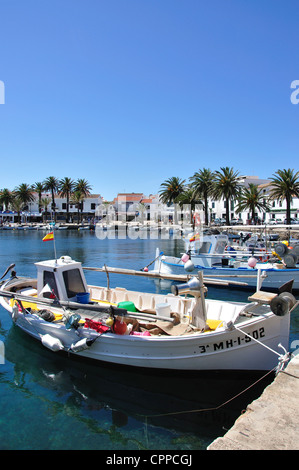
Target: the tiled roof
pixel 129 197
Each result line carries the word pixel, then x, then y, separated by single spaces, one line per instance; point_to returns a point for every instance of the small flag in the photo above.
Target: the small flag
pixel 195 237
pixel 49 236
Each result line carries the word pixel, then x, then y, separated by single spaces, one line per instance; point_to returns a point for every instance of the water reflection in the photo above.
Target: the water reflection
pixel 50 401
pixel 130 408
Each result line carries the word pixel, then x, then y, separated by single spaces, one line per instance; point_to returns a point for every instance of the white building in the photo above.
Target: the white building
pixel 277 212
pixel 142 208
pixel 32 212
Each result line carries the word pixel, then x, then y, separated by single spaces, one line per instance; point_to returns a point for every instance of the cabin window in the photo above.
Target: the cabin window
pixel 220 246
pixel 73 282
pixel 202 247
pixel 205 247
pixel 50 280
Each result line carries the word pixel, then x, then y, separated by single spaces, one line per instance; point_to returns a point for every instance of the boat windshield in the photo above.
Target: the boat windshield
pixel 49 279
pixel 220 247
pixel 73 282
pixel 202 247
pixel 206 247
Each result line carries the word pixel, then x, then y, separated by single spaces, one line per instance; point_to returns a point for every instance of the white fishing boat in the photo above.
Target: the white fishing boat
pixel 211 254
pixel 183 330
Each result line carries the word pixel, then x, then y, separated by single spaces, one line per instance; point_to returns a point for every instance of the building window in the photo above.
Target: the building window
pixel 64 205
pixel 92 206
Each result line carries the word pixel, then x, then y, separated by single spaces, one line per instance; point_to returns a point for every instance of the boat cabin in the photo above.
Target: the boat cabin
pixel 209 244
pixel 63 276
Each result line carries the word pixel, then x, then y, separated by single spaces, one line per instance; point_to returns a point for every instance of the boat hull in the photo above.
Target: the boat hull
pixel 274 279
pixel 224 350
pixel 167 332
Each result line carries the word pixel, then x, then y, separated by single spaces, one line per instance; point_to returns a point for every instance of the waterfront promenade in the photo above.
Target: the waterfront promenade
pixel 282 229
pixel 272 421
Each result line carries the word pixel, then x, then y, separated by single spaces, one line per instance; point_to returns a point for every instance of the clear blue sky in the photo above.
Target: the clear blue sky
pixel 127 93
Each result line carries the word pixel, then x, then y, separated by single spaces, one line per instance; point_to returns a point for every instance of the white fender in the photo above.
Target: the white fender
pixel 52 343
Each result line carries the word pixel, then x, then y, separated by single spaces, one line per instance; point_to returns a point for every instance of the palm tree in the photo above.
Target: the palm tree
pixel 83 187
pixel 17 205
pixel 285 185
pixel 189 198
pixel 202 185
pixel 66 187
pixel 226 185
pixel 52 184
pixel 6 197
pixel 45 202
pixel 171 189
pixel 39 188
pixel 141 209
pixel 24 193
pixel 76 199
pixel 251 198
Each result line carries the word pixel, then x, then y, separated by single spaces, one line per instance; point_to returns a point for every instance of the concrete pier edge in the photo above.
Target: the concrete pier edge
pixel 270 422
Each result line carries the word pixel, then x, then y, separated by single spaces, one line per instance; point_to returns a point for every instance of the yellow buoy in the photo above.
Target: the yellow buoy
pixel 109 321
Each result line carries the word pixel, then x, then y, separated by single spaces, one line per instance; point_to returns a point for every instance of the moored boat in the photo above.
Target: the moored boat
pixel 210 254
pixel 183 330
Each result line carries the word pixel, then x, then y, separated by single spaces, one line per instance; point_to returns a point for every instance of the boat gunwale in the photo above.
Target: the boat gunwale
pixel 247 321
pixel 224 268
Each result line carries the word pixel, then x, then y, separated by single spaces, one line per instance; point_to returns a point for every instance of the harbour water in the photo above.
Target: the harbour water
pixel 54 402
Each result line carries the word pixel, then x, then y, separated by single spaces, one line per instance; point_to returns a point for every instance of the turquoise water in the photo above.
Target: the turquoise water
pixel 54 402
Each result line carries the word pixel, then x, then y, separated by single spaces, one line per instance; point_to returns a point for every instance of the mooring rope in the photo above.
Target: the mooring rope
pixel 212 408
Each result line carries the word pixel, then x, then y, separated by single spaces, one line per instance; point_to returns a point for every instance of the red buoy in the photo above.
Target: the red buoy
pixel 120 327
